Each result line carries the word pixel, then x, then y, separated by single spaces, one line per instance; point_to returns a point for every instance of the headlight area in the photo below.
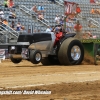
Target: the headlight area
pixel 18 51
pixel 11 49
pixel 25 53
pixel 14 49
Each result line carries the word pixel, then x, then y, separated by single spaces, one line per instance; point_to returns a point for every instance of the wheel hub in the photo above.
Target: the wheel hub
pixel 75 52
pixel 38 57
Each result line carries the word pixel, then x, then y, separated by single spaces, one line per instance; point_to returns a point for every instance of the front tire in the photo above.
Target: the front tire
pixel 71 52
pixel 15 60
pixel 35 56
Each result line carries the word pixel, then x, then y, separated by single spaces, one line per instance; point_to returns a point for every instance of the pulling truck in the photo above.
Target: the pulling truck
pixel 39 47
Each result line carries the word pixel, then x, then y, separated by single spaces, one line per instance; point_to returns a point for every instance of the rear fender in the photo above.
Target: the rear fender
pixel 67 36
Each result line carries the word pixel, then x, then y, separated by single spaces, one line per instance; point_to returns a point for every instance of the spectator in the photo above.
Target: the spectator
pixel 92 11
pixel 18 26
pixel 12 15
pixel 92 1
pixel 78 9
pixel 78 29
pixel 34 8
pixel 40 16
pixel 61 20
pixel 38 30
pixel 97 2
pixel 92 25
pixel 34 31
pixel 40 9
pixel 62 17
pixel 97 11
pixel 90 34
pixel 10 4
pixel 5 23
pixel 57 19
pixel 22 28
pixel 48 29
pixel 52 29
pixel 29 30
pixel 69 25
pixel 12 25
pixel 87 35
pixel 1 14
pixel 6 3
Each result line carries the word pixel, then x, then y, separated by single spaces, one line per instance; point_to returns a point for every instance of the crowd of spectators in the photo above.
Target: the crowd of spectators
pixel 40 11
pixel 9 3
pixel 11 15
pixel 94 2
pixel 15 26
pixel 95 11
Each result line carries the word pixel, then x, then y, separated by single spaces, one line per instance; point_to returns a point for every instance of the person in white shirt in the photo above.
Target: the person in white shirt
pixel 48 29
pixel 57 19
pixel 1 14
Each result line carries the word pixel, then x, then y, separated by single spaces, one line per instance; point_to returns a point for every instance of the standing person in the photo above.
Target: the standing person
pixel 78 29
pixel 48 29
pixel 69 25
pixel 57 19
pixel 78 9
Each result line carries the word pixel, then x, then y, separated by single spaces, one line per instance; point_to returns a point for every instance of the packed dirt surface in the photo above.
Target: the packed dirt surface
pixel 25 81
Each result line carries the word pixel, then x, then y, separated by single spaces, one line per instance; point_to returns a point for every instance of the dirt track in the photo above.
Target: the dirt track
pixel 81 82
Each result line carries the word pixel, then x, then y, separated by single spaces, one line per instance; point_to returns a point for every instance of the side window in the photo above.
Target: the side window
pixel 36 37
pixel 45 36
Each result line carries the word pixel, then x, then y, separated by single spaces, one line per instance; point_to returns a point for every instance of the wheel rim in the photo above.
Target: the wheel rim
pixel 75 52
pixel 38 57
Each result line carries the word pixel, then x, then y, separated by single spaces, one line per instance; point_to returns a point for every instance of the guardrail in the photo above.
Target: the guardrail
pixel 94 22
pixel 8 30
pixel 60 3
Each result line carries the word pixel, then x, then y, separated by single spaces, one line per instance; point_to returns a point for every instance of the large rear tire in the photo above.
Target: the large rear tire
pixel 50 60
pixel 71 52
pixel 35 56
pixel 15 60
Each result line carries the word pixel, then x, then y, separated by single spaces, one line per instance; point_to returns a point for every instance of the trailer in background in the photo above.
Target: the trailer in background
pixel 92 50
